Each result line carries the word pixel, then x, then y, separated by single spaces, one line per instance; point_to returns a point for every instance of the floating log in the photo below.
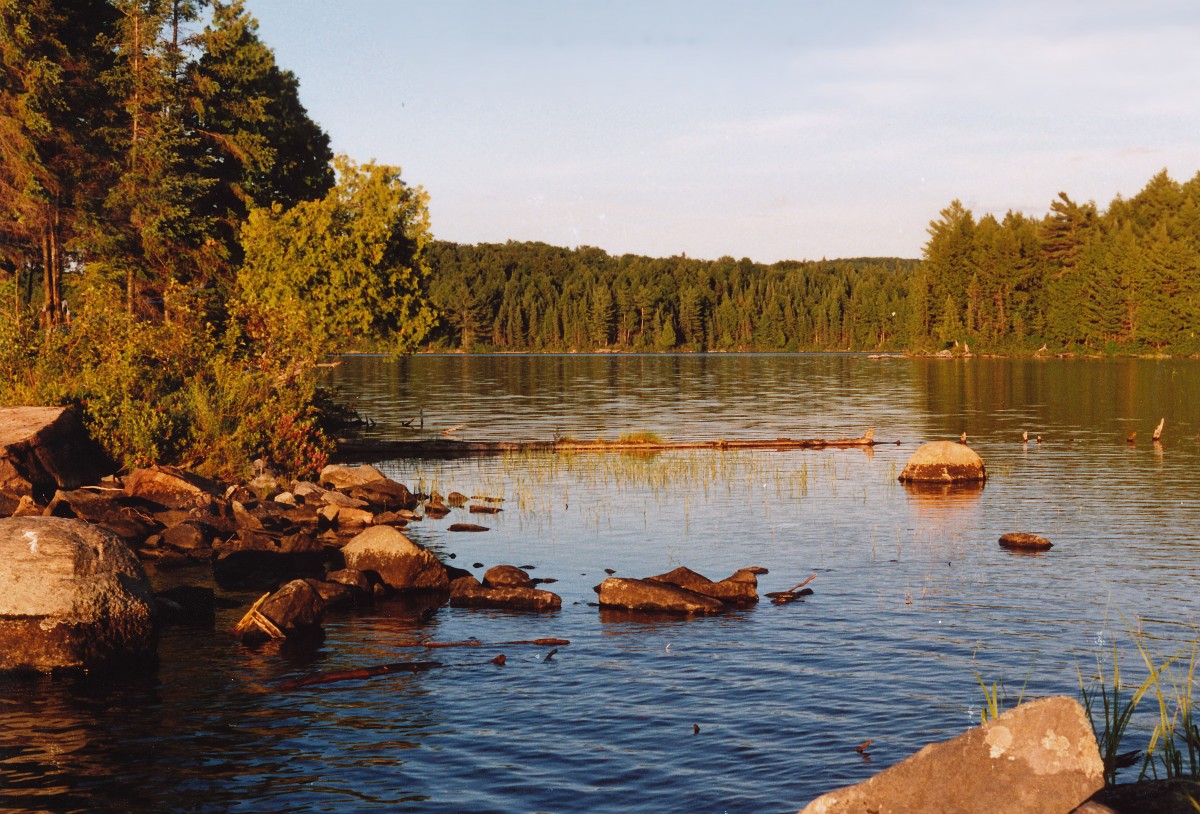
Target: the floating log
pixel 447 448
pixel 477 643
pixel 361 673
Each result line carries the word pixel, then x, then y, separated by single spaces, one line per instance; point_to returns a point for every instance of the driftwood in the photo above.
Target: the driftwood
pixel 361 673
pixel 255 619
pixel 793 593
pixel 362 450
pixel 477 643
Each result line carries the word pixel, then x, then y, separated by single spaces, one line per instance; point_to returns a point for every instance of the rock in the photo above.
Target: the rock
pixel 507 576
pixel 172 487
pixel 944 462
pixel 342 501
pixel 645 594
pixel 1024 541
pixel 466 595
pixel 1172 796
pixel 465 527
pixel 71 595
pixel 741 588
pixel 334 594
pixel 385 494
pixel 306 490
pixel 456 499
pixel 336 476
pixel 400 562
pixel 1040 758
pixel 47 448
pixel 297 607
pixel 481 509
pixel 436 509
pixel 103 507
pixel 357 581
pixel 286 498
pixel 188 535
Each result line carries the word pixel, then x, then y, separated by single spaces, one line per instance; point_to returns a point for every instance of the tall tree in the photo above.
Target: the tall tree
pixel 50 106
pixel 265 148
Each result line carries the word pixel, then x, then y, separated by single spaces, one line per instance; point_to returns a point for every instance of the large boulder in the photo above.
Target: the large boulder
pixel 1040 758
pixel 741 588
pixel 944 462
pixel 649 595
pixel 71 596
pixel 400 562
pixel 47 448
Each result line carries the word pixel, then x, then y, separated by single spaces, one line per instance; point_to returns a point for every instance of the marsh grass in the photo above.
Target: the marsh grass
pixel 1173 750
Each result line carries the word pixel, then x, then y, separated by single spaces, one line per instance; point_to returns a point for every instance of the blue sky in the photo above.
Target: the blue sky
pixel 768 130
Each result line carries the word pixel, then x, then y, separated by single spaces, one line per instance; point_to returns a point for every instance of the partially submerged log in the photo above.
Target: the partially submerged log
pixel 447 448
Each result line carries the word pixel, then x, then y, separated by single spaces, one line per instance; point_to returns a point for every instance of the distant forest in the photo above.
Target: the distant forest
pixel 1126 279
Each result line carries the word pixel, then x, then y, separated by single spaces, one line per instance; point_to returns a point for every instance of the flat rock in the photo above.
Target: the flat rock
pixel 47 448
pixel 172 487
pixel 1025 541
pixel 1039 758
pixel 71 596
pixel 400 562
pixel 646 594
pixel 466 595
pixel 337 476
pixel 944 462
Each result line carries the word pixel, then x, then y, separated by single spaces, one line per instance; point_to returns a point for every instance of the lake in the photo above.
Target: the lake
pixel 758 710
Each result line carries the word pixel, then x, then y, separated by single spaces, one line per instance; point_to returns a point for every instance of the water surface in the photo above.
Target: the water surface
pixel 914 601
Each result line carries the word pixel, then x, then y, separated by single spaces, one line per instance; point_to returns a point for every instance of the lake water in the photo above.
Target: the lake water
pixel 914 601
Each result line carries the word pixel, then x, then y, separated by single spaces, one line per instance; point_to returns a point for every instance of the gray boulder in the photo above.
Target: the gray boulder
pixel 400 562
pixel 71 596
pixel 1040 758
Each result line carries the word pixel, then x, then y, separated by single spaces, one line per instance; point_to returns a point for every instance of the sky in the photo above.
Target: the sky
pixel 768 130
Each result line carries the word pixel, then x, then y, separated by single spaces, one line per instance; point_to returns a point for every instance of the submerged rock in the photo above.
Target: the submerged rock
pixel 944 462
pixel 466 592
pixel 1040 758
pixel 71 595
pixel 507 576
pixel 1024 541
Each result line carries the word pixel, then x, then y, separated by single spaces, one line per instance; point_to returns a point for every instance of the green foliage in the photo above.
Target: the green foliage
pixel 332 274
pixel 165 392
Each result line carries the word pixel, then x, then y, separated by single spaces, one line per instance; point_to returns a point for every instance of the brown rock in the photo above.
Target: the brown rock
pixel 295 607
pixel 187 535
pixel 456 499
pixel 44 448
pixel 71 595
pixel 645 594
pixel 507 576
pixel 385 494
pixel 466 595
pixel 103 507
pixel 1040 758
pixel 400 562
pixel 944 462
pixel 465 527
pixel 741 588
pixel 172 487
pixel 337 476
pixel 1025 541
pixel 436 509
